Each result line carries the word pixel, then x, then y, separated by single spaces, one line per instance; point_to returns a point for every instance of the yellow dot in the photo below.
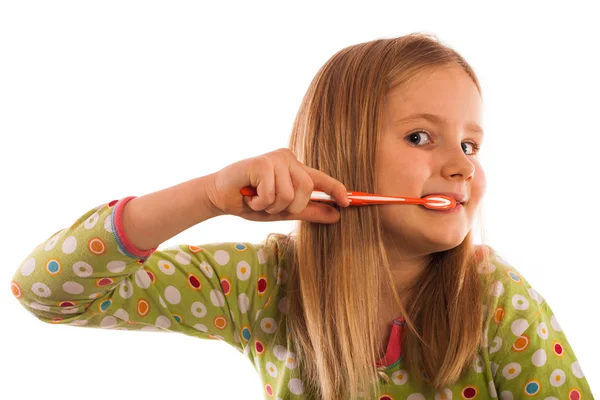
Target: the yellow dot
pixel 511 371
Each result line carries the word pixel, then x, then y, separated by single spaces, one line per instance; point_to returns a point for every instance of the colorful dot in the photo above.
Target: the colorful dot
pixel 532 388
pixel 53 267
pixel 259 347
pixel 16 290
pixel 246 333
pixel 574 394
pixel 226 286
pixel 194 282
pixel 558 349
pixel 240 247
pixel 470 392
pixel 96 246
pixel 262 285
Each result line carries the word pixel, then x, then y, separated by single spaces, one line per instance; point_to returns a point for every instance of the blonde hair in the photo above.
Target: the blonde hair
pixel 336 271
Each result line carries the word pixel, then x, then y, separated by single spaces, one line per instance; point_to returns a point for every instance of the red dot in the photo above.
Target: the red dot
pixel 259 347
pixel 574 395
pixel 385 398
pixel 262 285
pixel 112 203
pixel 225 286
pixel 194 281
pixel 558 348
pixel 269 390
pixel 469 392
pixel 104 281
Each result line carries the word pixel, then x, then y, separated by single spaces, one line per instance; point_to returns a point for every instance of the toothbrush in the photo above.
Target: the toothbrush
pixel 433 202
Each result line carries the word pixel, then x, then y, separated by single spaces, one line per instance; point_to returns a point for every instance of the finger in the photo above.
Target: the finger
pixel 318 213
pixel 284 189
pixel 329 185
pixel 265 188
pixel 303 187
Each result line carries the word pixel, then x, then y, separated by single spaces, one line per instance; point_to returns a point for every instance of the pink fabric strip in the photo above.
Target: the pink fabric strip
pixel 120 232
pixel 394 347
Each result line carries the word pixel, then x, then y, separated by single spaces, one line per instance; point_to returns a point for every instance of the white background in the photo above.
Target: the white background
pixel 101 100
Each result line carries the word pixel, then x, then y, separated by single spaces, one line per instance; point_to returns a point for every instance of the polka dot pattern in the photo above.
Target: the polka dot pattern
pixel 89 275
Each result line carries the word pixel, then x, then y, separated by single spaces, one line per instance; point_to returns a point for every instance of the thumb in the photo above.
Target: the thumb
pixel 319 213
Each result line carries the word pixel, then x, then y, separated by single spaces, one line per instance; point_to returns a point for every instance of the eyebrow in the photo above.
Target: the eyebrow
pixel 438 120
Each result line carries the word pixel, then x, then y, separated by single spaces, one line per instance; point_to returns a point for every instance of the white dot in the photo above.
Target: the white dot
pixel 82 269
pixel 296 386
pixel 126 289
pixel 576 368
pixel 198 309
pixel 217 298
pixel 38 306
pixel 497 288
pixel 172 295
pixel 511 370
pixel 554 323
pixel 108 322
pixel 280 352
pixel 506 395
pixel 201 327
pixel 163 322
pixel 243 303
pixel 416 396
pixel 557 377
pixel 116 266
pixel 520 302
pixel 183 258
pixel 492 389
pixel 539 358
pixel 122 314
pixel 69 245
pixel 41 289
pixel 262 255
pixel 72 287
pixel 519 326
pixel 166 267
pixel 243 270
pixel 91 221
pixel 142 279
pixel 221 257
pixel 150 328
pixel 28 267
pixel 108 224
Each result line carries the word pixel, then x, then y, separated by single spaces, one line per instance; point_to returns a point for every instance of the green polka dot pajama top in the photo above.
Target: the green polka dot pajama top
pixel 89 275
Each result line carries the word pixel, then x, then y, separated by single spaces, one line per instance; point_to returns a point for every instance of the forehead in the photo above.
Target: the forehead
pixel 449 92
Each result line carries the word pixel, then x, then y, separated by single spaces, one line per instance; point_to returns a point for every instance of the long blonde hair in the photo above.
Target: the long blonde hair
pixel 336 271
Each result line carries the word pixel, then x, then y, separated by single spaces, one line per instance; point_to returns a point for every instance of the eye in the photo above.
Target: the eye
pixel 416 135
pixel 414 138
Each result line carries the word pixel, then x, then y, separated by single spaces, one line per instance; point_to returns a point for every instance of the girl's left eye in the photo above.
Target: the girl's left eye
pixel 416 135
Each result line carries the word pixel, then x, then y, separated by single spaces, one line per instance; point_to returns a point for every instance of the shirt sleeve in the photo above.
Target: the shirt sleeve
pixel 528 351
pixel 89 275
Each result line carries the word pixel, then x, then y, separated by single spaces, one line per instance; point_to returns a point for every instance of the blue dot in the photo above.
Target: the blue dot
pixel 53 266
pixel 105 304
pixel 246 333
pixel 532 387
pixel 240 246
pixel 177 318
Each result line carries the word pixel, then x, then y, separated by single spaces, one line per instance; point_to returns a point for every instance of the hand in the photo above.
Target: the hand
pixel 284 186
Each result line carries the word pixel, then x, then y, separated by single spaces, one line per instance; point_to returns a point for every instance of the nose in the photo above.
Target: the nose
pixel 458 165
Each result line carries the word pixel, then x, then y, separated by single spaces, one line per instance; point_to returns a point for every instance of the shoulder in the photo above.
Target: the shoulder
pixel 511 305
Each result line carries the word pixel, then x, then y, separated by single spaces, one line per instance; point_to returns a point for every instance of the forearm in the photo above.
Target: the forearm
pixel 154 218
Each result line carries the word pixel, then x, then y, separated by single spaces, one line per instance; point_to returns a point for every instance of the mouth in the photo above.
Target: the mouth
pixel 459 198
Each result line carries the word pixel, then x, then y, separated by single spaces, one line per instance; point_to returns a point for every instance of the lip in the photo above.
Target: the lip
pixel 460 198
pixel 456 208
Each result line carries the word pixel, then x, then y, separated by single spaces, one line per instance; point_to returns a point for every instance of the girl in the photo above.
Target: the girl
pixel 384 302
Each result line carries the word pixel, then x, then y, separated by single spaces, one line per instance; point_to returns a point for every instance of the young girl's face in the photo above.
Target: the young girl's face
pixel 417 156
